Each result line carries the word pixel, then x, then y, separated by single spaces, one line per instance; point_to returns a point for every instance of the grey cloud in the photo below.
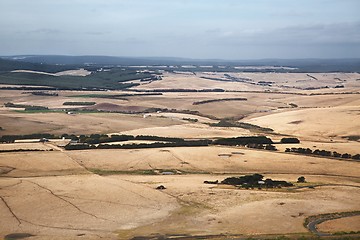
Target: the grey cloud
pixel 97 33
pixel 213 30
pixel 320 33
pixel 133 41
pixel 45 31
pixel 311 34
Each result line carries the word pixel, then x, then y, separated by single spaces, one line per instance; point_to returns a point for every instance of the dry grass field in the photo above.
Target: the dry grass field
pixel 55 193
pixel 342 224
pixel 217 210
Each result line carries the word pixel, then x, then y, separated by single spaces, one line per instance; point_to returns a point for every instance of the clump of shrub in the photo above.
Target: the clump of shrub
pixel 301 179
pixel 255 181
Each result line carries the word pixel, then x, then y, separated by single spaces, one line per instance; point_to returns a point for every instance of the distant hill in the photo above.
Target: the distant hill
pixel 7 65
pixel 94 60
pixel 302 65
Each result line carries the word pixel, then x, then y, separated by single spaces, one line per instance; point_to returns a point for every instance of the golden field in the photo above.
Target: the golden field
pixel 111 193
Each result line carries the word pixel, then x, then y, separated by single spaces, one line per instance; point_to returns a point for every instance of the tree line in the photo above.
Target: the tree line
pixel 27 107
pixel 324 153
pixel 79 103
pixel 243 141
pixel 12 138
pixel 244 125
pixel 190 143
pixel 89 142
pixel 219 100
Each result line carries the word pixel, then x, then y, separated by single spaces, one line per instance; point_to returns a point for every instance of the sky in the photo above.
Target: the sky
pixel 202 29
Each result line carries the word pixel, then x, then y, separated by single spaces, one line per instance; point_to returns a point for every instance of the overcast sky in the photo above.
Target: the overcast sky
pixel 226 29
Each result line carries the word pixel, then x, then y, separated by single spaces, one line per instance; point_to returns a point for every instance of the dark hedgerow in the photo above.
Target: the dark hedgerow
pixel 290 140
pixel 243 140
pixel 79 103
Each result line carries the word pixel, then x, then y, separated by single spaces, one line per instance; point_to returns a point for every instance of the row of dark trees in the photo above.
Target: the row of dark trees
pixel 25 150
pixel 324 153
pixel 51 94
pixel 79 103
pixel 289 140
pixel 27 107
pixel 36 108
pixel 102 138
pixel 12 138
pixel 192 143
pixel 180 90
pixel 88 142
pixel 243 141
pixel 231 123
pixel 84 146
pixel 219 100
pixel 28 88
pixel 268 147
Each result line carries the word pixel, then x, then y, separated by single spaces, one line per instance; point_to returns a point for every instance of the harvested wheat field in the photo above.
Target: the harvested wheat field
pixel 213 160
pixel 131 164
pixel 341 225
pixel 314 124
pixel 102 205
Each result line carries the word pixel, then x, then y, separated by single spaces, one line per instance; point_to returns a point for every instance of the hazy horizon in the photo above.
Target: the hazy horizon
pixel 227 30
pixel 179 58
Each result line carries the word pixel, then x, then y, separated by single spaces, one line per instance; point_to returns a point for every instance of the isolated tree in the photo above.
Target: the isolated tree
pixel 301 179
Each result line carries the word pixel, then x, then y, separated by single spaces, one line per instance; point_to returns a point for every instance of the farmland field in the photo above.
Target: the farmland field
pixel 49 192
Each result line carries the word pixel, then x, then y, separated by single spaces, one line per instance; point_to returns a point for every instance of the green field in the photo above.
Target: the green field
pixel 115 79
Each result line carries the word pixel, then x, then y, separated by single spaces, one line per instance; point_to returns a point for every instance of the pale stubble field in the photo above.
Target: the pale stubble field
pixel 96 193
